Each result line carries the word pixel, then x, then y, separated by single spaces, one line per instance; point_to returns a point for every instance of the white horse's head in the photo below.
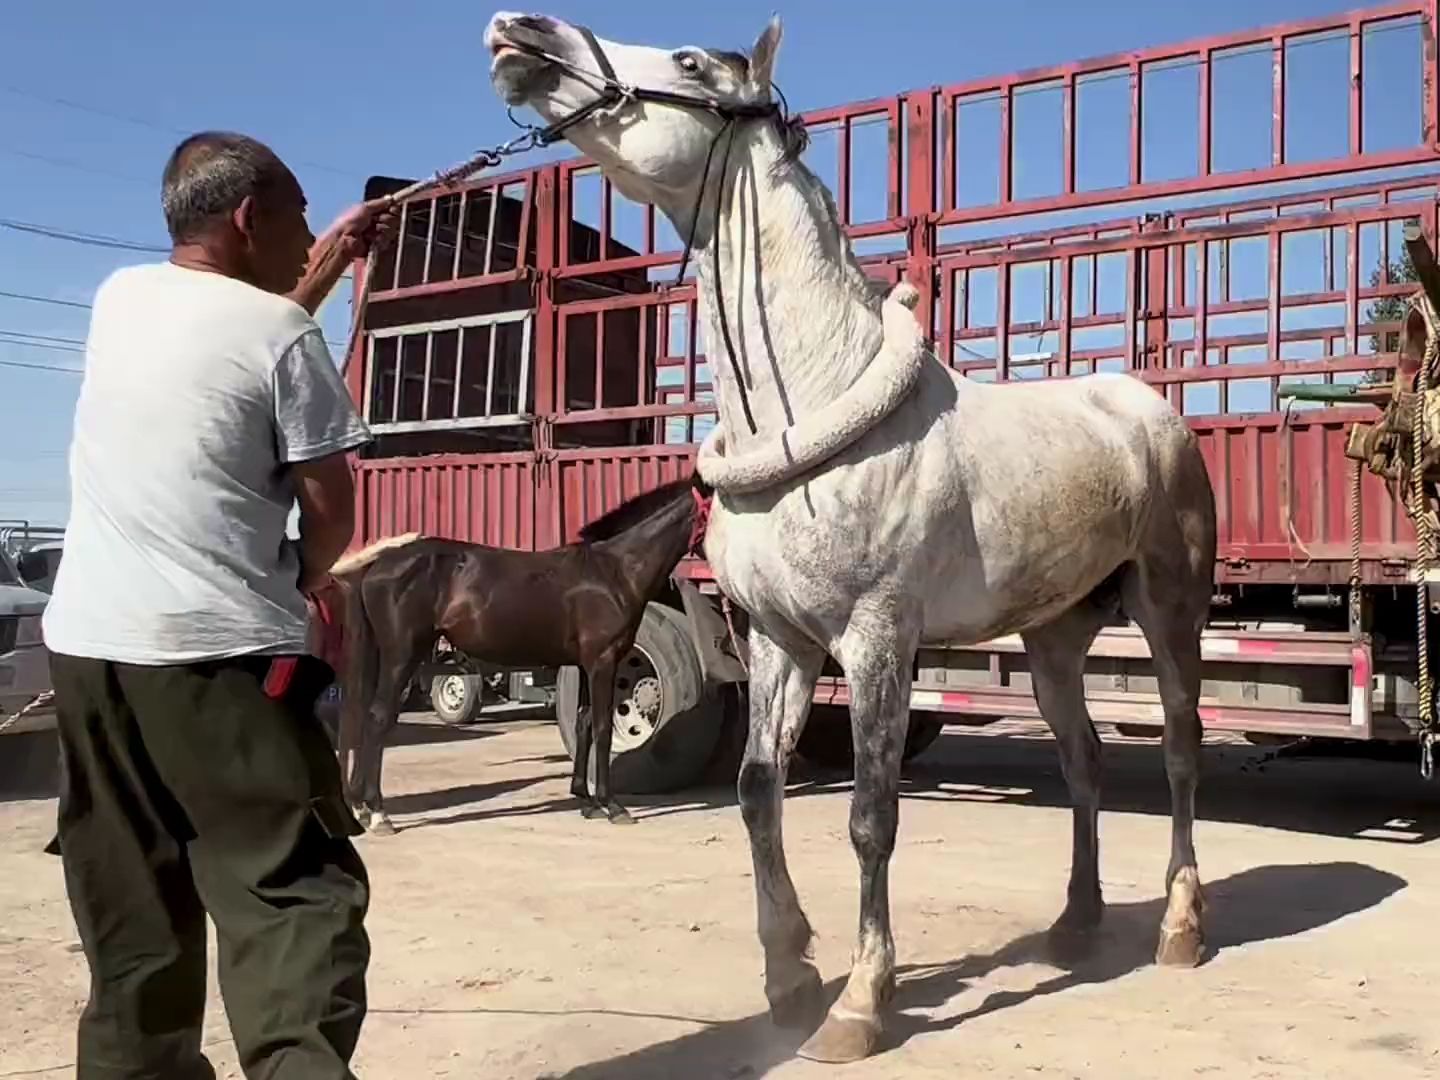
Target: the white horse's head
pixel 653 151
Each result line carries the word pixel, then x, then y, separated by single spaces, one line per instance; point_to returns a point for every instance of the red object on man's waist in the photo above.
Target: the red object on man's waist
pixel 280 675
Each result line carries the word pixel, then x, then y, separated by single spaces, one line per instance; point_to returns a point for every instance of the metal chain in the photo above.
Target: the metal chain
pixel 1424 553
pixel 528 139
pixel 39 703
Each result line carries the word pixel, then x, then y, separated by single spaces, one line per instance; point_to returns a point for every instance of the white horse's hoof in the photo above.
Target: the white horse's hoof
pixel 842 1040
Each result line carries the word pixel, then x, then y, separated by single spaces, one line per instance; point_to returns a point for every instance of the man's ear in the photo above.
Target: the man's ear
pixel 762 56
pixel 243 217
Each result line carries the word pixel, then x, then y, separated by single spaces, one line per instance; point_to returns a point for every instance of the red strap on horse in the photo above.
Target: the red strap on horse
pixel 328 629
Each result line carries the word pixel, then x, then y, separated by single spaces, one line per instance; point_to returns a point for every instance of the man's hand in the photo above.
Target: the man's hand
pixel 369 225
pixel 357 231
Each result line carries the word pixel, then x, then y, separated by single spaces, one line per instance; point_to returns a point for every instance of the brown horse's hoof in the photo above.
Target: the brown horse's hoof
pixel 802 1007
pixel 1074 934
pixel 1182 948
pixel 381 825
pixel 1069 944
pixel 842 1039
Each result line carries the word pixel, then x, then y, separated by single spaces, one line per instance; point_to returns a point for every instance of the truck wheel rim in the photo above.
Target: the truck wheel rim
pixel 452 693
pixel 639 701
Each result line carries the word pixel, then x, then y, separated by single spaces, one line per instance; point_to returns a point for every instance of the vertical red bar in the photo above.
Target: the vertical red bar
pixel 1272 321
pixel 918 112
pixel 600 358
pixel 1207 61
pixel 644 366
pixel 1132 306
pixel 1006 143
pixel 1156 323
pixel 1430 110
pixel 1066 286
pixel 1067 136
pixel 650 230
pixel 1277 102
pixel 1357 53
pixel 895 118
pixel 1002 320
pixel 521 252
pixel 946 335
pixel 1352 289
pixel 564 212
pixel 1137 76
pixel 949 125
pixel 842 175
pixel 607 193
pixel 691 322
pixel 548 357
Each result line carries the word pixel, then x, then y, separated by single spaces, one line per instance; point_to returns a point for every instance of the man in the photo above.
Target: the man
pixel 196 778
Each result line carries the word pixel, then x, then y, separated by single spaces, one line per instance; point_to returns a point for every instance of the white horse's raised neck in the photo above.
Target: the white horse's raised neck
pixel 880 500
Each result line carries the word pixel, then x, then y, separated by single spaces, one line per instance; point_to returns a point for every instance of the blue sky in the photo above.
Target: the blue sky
pixel 344 91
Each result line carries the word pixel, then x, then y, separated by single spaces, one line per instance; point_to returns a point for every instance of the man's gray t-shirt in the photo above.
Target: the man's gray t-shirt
pixel 199 391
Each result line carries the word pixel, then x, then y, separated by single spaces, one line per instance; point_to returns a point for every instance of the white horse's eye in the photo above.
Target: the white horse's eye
pixel 688 64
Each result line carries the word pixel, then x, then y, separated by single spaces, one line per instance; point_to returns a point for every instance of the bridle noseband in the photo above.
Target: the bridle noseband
pixel 611 93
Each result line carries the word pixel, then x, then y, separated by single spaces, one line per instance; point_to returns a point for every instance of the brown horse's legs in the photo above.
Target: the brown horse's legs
pixel 602 719
pixel 584 740
pixel 381 717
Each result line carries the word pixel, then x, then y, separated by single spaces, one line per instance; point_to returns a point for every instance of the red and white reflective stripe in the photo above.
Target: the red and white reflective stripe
pixel 1228 646
pixel 1360 687
pixel 943 700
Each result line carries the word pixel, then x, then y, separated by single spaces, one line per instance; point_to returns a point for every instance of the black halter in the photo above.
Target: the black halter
pixel 613 92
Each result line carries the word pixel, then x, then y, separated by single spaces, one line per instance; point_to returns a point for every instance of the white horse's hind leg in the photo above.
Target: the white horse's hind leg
pixel 878 669
pixel 1172 610
pixel 782 684
pixel 1057 664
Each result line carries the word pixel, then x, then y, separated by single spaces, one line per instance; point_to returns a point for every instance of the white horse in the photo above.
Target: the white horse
pixel 869 499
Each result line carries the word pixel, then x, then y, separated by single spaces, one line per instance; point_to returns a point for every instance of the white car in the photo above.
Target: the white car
pixel 24 663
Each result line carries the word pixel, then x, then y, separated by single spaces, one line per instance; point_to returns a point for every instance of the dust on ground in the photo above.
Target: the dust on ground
pixel 513 939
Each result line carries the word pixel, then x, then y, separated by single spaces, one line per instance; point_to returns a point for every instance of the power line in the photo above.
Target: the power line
pixel 126 118
pixel 42 367
pixel 42 337
pixel 44 300
pixel 74 237
pixel 78 166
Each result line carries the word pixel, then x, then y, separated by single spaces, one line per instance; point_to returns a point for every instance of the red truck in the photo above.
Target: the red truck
pixel 527 361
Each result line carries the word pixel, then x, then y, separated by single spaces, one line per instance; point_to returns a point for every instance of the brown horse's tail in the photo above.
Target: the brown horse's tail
pixel 362 662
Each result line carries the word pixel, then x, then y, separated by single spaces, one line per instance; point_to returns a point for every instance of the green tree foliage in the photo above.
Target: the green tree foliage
pixel 1389 309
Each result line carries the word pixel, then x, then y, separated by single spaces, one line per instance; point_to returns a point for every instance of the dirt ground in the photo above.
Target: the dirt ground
pixel 512 939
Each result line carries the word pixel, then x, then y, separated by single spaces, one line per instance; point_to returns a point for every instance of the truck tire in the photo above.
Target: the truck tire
pixel 826 740
pixel 456 699
pixel 666 725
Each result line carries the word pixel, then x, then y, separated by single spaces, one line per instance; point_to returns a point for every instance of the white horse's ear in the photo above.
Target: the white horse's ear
pixel 762 56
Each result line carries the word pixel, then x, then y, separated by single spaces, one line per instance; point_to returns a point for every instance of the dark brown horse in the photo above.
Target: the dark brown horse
pixel 579 604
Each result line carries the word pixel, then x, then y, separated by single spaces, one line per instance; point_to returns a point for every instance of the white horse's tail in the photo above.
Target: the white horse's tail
pixel 885 382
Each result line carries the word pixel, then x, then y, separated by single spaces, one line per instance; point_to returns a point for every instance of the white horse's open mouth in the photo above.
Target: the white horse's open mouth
pixel 516 71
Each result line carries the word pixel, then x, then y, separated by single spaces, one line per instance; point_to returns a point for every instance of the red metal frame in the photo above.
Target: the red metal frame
pixel 1202 52
pixel 1157 296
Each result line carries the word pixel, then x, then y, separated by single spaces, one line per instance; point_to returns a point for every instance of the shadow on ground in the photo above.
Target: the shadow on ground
pixel 1364 791
pixel 1263 904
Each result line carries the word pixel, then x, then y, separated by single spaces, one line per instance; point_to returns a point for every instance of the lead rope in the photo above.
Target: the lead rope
pixel 483 160
pixel 39 703
pixel 1424 548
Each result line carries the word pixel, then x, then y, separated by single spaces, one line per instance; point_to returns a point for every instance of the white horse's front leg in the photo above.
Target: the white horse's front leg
pixel 782 684
pixel 878 669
